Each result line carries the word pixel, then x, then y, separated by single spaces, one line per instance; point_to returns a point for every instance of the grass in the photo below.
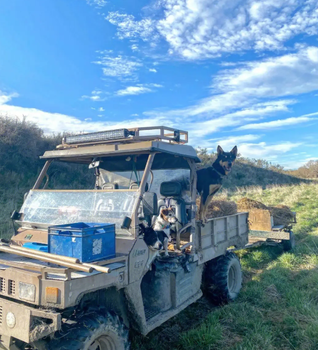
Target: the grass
pixel 278 305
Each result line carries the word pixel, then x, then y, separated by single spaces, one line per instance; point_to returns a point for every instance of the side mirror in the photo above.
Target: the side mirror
pixel 25 196
pixel 94 164
pixel 126 223
pixel 15 215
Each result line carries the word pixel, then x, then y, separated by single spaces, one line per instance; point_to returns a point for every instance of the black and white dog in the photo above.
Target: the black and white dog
pixel 150 237
pixel 158 237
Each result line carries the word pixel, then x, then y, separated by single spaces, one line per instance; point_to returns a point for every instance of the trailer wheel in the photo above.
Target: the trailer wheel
pixel 222 278
pixel 92 331
pixel 289 244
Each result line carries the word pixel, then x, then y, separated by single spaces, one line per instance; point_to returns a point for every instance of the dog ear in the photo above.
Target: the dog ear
pixel 234 151
pixel 219 150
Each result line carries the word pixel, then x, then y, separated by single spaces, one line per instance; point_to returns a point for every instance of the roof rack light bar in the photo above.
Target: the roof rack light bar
pixel 98 136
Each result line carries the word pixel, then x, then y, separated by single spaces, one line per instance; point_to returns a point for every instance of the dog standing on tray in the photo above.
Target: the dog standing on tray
pixel 209 180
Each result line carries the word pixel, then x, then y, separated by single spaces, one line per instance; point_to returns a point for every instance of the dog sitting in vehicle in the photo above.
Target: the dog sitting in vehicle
pixel 158 237
pixel 209 180
pixel 162 226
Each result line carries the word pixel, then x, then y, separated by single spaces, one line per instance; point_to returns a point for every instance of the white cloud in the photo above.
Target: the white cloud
pixel 238 89
pixel 272 152
pixel 4 97
pixel 291 164
pixel 262 150
pixel 133 90
pixel 198 29
pixel 152 70
pixel 238 93
pixel 97 3
pixel 134 47
pixel 101 109
pixel 121 67
pixel 228 143
pixel 199 130
pixel 96 95
pixel 57 122
pixel 138 89
pixel 129 28
pixel 279 76
pixel 277 123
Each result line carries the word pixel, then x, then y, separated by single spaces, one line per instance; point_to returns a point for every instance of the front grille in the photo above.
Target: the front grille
pixel 0 314
pixel 149 313
pixel 2 284
pixel 11 287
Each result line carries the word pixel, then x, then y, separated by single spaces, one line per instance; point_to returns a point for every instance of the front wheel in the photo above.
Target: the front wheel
pixel 92 331
pixel 222 278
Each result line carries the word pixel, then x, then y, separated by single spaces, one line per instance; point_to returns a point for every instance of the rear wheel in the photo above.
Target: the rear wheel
pixel 92 331
pixel 222 278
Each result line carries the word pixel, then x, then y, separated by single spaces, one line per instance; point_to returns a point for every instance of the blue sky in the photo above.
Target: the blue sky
pixel 239 72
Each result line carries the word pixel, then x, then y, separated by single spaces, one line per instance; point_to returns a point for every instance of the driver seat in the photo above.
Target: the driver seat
pixel 171 191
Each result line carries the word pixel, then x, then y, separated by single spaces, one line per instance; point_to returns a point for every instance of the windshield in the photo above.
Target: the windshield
pixel 65 207
pixel 122 179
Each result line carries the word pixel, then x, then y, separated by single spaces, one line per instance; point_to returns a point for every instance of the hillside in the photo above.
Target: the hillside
pixel 247 174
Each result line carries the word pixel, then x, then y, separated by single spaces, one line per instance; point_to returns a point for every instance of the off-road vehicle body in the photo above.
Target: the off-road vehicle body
pixel 54 306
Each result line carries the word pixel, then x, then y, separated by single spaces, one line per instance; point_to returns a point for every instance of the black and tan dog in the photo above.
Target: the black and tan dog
pixel 209 180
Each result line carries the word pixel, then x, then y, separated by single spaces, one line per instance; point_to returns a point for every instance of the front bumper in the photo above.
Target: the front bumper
pixel 26 323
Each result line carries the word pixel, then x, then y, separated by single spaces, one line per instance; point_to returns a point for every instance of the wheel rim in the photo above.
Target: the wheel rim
pixel 103 343
pixel 232 280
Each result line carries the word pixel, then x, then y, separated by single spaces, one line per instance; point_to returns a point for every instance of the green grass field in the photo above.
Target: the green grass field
pixel 278 305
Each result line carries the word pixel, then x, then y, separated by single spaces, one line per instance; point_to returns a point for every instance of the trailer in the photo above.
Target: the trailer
pixel 265 228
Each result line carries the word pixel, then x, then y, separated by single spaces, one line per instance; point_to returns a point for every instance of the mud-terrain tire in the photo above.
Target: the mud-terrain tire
pixel 290 243
pixel 92 331
pixel 222 278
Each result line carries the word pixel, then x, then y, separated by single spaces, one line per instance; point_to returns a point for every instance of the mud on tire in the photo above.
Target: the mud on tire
pixel 222 278
pixel 92 331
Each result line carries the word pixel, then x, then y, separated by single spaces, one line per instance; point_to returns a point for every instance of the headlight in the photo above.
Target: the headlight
pixel 10 319
pixel 27 291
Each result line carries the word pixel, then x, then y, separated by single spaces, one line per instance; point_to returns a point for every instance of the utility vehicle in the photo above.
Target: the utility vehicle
pixel 48 304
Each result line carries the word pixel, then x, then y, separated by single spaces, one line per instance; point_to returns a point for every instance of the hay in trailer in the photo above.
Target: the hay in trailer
pixel 244 204
pixel 219 208
pixel 282 215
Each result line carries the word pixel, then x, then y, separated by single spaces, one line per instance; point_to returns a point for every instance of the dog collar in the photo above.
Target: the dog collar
pixel 165 226
pixel 222 175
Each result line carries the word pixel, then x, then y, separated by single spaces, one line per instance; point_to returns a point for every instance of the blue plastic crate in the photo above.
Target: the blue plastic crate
pixel 85 241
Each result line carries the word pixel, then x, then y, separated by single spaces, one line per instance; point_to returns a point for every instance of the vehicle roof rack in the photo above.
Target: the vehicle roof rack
pixel 152 133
